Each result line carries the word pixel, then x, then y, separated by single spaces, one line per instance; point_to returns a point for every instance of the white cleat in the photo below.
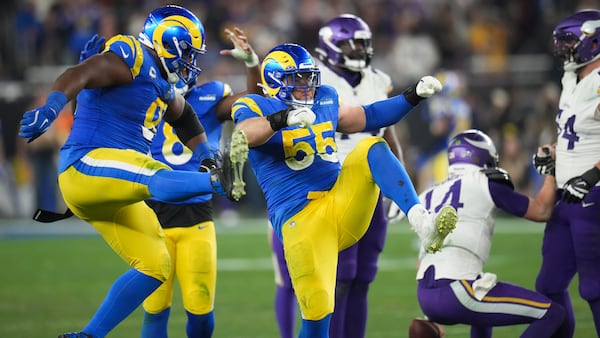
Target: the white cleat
pixel 238 155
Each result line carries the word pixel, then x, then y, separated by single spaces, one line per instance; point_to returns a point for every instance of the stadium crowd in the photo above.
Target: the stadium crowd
pixel 494 56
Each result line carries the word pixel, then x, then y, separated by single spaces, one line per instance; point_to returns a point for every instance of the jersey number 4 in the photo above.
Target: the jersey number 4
pixel 568 132
pixel 451 197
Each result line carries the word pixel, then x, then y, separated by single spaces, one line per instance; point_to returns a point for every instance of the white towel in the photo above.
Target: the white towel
pixel 484 284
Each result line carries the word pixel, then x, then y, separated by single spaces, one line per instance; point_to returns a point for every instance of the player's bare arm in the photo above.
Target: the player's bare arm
pixel 351 119
pixel 243 51
pixel 257 129
pixel 540 208
pixel 101 70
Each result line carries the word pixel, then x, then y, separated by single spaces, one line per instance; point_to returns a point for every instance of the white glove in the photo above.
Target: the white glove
pixel 427 86
pixel 242 50
pixel 394 213
pixel 303 117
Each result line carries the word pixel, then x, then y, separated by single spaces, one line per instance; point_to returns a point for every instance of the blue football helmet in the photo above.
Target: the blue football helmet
pixel 290 67
pixel 345 41
pixel 177 36
pixel 473 147
pixel 577 39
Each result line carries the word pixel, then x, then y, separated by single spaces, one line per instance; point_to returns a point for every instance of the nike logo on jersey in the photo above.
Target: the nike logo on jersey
pixel 125 54
pixel 585 205
pixel 202 227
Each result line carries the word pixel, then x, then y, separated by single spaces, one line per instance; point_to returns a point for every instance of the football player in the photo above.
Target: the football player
pixel 317 206
pixel 345 52
pixel 452 286
pixel 188 225
pixel 105 173
pixel 572 237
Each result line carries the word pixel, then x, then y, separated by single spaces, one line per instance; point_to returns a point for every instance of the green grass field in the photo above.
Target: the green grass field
pixel 51 285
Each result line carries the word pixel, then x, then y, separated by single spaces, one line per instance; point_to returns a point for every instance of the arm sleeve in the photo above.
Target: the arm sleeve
pixel 508 200
pixel 386 112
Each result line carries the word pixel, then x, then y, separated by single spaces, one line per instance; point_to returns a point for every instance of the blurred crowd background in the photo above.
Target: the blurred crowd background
pixel 494 57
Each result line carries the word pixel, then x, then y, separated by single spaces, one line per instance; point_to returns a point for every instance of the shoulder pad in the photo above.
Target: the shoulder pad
pixel 498 175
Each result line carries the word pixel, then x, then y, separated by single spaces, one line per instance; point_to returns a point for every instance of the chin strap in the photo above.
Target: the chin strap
pixel 573 66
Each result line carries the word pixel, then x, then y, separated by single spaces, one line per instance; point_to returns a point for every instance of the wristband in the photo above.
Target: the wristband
pixel 592 176
pixel 56 101
pixel 250 60
pixel 279 120
pixel 410 94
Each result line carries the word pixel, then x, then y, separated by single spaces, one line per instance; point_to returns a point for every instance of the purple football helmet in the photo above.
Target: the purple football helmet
pixel 577 38
pixel 473 147
pixel 345 41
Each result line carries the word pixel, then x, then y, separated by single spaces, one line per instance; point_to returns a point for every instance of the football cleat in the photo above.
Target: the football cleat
pixel 75 335
pixel 229 178
pixel 444 224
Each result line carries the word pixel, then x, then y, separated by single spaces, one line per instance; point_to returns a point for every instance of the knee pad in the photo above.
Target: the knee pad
pixel 316 304
pixel 342 288
pixel 159 267
pixel 588 290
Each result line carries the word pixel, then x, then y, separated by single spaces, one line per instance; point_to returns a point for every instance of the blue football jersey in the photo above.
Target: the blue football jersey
pixel 166 146
pixel 122 117
pixel 295 161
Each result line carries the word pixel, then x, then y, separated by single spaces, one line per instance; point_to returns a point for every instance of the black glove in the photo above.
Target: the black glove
pixel 498 175
pixel 544 164
pixel 578 187
pixel 208 164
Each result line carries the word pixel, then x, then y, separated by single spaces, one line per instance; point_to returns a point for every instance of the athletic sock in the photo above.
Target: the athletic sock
pixel 156 325
pixel 125 295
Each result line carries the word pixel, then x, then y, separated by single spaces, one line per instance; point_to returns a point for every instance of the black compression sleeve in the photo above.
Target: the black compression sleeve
pixel 279 120
pixel 187 125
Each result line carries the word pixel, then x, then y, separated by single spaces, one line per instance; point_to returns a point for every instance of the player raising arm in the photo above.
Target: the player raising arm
pixel 105 173
pixel 316 205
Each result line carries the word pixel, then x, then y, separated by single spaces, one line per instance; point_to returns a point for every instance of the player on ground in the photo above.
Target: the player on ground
pixel 452 287
pixel 572 237
pixel 105 173
pixel 317 206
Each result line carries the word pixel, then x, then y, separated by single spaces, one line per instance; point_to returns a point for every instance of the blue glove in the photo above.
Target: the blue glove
pixel 92 47
pixel 35 122
pixel 578 187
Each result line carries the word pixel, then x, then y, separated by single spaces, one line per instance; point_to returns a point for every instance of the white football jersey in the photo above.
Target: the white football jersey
pixel 467 248
pixel 578 122
pixel 374 86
